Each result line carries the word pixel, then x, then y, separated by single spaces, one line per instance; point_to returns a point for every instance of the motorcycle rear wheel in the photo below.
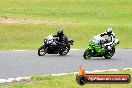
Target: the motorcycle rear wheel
pixel 67 48
pixel 109 54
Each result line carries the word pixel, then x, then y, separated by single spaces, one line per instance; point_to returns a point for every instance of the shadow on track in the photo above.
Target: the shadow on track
pixel 100 58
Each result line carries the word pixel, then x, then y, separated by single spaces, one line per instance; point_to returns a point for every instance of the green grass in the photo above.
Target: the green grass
pixel 80 19
pixel 66 81
pixel 18 36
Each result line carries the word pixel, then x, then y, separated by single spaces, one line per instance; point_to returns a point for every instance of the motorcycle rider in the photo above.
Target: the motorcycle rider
pixel 62 38
pixel 110 39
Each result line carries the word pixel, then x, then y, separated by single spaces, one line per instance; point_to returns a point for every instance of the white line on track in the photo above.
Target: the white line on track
pixel 18 79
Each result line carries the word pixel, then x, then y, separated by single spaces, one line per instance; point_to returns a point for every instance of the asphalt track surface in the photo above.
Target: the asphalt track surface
pixel 26 63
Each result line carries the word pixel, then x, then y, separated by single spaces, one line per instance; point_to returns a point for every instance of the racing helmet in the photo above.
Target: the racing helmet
pixel 109 31
pixel 60 32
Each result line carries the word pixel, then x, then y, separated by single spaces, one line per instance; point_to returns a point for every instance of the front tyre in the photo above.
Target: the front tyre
pixel 109 54
pixel 87 54
pixel 42 50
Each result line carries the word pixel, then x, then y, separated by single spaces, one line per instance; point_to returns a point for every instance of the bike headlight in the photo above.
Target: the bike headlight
pixel 50 41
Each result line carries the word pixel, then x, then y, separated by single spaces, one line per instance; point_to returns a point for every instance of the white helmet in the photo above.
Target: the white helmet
pixel 109 30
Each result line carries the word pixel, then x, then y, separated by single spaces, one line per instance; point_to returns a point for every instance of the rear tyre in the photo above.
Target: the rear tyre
pixel 42 50
pixel 109 54
pixel 64 52
pixel 87 54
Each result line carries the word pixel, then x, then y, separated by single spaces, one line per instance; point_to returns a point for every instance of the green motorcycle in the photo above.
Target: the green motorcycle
pixel 95 48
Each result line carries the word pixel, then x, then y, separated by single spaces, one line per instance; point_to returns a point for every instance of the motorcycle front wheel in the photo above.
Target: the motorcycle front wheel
pixel 42 50
pixel 87 54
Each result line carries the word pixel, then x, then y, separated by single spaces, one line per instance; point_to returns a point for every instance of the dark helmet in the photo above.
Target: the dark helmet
pixel 109 31
pixel 60 32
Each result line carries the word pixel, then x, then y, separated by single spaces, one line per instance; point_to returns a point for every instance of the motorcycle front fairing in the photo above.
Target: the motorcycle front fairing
pixel 95 45
pixel 51 44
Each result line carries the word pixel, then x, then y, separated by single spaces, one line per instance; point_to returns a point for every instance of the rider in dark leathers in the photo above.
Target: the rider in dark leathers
pixel 62 38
